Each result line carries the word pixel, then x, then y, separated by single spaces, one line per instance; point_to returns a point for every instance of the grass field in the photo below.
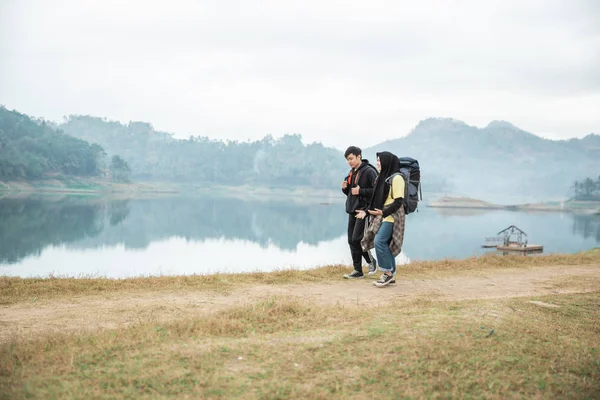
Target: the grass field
pixel 295 344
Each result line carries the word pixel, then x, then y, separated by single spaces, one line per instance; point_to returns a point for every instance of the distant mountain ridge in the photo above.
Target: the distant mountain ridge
pixel 491 163
pixel 496 161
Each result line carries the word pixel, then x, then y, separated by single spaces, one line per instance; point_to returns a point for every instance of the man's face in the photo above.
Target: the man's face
pixel 378 164
pixel 353 161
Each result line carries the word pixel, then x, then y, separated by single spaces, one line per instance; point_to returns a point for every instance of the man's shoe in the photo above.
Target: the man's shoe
pixel 372 266
pixel 354 275
pixel 384 280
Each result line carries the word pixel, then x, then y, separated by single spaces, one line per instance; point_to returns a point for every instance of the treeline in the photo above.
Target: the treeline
pixel 31 148
pixel 94 147
pixel 156 156
pixel 588 189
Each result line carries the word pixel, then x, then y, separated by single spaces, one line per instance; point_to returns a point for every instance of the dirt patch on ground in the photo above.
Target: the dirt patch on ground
pixel 85 313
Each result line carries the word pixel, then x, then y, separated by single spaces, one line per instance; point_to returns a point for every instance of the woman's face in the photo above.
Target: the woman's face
pixel 378 164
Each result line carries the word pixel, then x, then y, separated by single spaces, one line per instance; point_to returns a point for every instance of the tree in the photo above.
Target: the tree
pixel 157 156
pixel 588 189
pixel 577 188
pixel 32 148
pixel 589 186
pixel 119 169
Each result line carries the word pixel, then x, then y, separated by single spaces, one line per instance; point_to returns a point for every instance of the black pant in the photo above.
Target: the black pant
pixel 356 229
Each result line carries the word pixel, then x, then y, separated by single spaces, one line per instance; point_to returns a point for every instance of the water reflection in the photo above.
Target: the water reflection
pixel 29 225
pixel 76 234
pixel 587 226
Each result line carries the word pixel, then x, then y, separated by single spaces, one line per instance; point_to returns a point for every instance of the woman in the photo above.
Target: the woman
pixel 387 211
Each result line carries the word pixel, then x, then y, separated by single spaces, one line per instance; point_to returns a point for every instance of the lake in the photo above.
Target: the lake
pixel 94 236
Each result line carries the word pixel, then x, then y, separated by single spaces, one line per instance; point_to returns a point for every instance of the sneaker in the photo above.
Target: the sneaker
pixel 392 283
pixel 354 275
pixel 384 280
pixel 380 278
pixel 372 266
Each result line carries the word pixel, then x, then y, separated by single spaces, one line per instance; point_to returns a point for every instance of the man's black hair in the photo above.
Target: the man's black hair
pixel 353 150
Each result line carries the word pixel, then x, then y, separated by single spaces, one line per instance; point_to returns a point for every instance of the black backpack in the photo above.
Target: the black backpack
pixel 410 171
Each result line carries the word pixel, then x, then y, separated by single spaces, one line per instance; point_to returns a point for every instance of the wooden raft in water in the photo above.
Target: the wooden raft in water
pixel 529 247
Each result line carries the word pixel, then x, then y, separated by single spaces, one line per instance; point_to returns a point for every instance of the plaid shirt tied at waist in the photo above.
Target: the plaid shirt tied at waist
pixel 368 240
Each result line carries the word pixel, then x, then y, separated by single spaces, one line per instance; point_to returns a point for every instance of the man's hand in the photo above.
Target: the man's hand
pixel 376 211
pixel 361 214
pixel 344 184
pixel 356 190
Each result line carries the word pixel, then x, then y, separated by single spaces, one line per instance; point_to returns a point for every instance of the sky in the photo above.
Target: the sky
pixel 337 72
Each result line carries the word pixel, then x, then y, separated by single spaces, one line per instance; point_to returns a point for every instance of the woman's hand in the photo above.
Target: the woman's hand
pixel 376 211
pixel 361 214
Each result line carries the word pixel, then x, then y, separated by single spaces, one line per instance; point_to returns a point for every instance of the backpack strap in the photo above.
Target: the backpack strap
pixel 352 177
pixel 359 171
pixel 389 181
pixel 373 167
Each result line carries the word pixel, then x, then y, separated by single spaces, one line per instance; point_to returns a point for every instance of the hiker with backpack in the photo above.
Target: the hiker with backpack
pixel 387 216
pixel 358 188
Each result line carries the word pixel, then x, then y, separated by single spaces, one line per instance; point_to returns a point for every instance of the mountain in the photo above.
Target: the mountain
pixel 500 162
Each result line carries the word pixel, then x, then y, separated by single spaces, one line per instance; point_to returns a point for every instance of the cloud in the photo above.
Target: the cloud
pixel 335 71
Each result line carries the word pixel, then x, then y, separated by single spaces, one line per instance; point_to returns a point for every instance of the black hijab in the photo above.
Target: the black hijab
pixel 389 166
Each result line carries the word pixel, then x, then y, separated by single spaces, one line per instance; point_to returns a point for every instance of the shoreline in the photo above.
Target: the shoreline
pixel 81 186
pixel 591 207
pixel 322 196
pixel 92 187
pixel 422 266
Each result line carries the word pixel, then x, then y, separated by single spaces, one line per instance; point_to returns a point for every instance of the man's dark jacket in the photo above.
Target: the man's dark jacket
pixel 364 176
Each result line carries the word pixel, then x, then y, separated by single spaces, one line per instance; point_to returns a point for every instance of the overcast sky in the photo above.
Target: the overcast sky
pixel 338 72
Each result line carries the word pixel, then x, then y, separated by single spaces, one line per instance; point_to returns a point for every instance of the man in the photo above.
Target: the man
pixel 358 187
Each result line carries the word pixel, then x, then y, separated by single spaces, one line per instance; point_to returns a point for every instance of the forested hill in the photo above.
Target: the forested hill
pixel 490 163
pixel 157 156
pixel 31 148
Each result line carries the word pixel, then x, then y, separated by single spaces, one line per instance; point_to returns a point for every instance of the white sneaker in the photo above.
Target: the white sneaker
pixel 384 280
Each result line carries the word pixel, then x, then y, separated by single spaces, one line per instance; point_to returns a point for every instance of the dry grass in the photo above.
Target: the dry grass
pixel 19 289
pixel 493 261
pixel 286 348
pixel 13 290
pixel 582 283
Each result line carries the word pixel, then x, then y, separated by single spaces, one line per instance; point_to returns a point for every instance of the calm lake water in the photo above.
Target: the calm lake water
pixel 84 236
